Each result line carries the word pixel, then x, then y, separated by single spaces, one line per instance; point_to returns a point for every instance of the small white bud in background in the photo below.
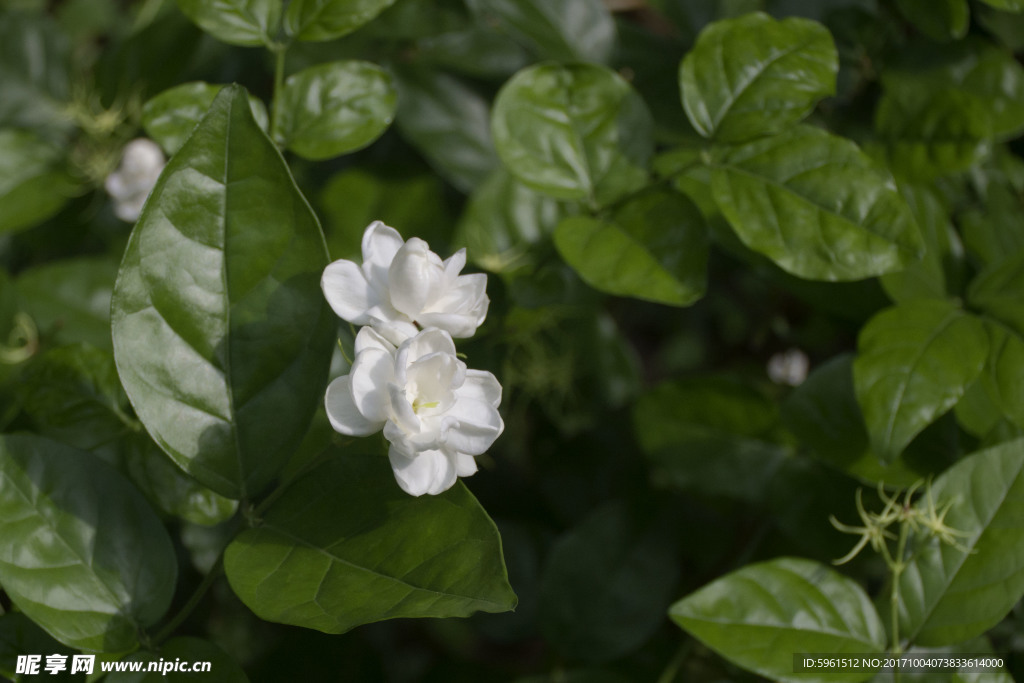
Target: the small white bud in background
pixel 130 185
pixel 789 367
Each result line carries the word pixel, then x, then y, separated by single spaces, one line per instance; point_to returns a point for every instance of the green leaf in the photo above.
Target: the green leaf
pixel 995 231
pixel 186 651
pixel 70 300
pixel 18 636
pixel 926 132
pixel 941 20
pixel 238 22
pixel 344 546
pixel 81 552
pixel 824 415
pixel 34 68
pixel 928 278
pixel 335 108
pixel 653 247
pixel 914 363
pixel 1006 5
pixel 997 292
pixel 316 20
pixel 816 205
pixel 759 616
pixel 73 395
pixel 449 122
pixel 754 76
pixel 169 489
pixel 354 198
pixel 948 595
pixel 559 30
pixel 710 435
pixel 606 584
pixel 170 117
pixel 503 219
pixel 576 131
pixel 221 334
pixel 33 182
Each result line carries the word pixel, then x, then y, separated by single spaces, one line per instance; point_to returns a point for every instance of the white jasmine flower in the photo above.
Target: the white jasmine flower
pixel 789 367
pixel 436 414
pixel 130 185
pixel 402 287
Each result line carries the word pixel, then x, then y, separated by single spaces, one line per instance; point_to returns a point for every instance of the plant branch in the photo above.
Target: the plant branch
pixel 216 571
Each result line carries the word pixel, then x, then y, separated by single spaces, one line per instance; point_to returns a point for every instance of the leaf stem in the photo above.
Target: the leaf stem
pixel 280 50
pixel 216 571
pixel 676 663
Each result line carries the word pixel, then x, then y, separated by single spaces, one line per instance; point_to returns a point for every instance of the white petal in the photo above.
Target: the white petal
pixel 343 413
pixel 348 292
pixel 401 412
pixel 462 308
pixel 369 338
pixel 415 277
pixel 426 342
pixel 371 373
pixel 479 424
pixel 411 442
pixel 380 244
pixel 431 472
pixel 465 465
pixel 457 325
pixel 431 381
pixel 395 331
pixel 454 264
pixel 481 385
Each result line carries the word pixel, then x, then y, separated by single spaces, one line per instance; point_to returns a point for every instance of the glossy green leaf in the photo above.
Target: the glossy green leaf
pixel 182 651
pixel 559 30
pixel 34 73
pixel 221 334
pixel 357 196
pixel 317 20
pixel 33 182
pixel 653 247
pixel 479 50
pixel 170 490
pixel 824 415
pixel 754 76
pixel 335 108
pixel 941 20
pixel 170 117
pixel 999 291
pixel 238 22
pixel 577 131
pixel 948 595
pixel 449 122
pixel 344 546
pixel 927 132
pixel 503 219
pixel 816 205
pixel 712 435
pixel 606 584
pixel 928 278
pixel 757 617
pixel 914 362
pixel 81 552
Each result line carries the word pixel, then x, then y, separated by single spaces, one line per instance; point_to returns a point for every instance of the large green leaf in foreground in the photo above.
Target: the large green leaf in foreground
pixel 221 334
pixel 815 204
pixel 950 594
pixel 753 76
pixel 345 546
pixel 81 552
pixel 761 615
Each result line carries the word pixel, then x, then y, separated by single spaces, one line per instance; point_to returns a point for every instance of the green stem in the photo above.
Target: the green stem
pixel 216 571
pixel 275 105
pixel 676 663
pixel 897 568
